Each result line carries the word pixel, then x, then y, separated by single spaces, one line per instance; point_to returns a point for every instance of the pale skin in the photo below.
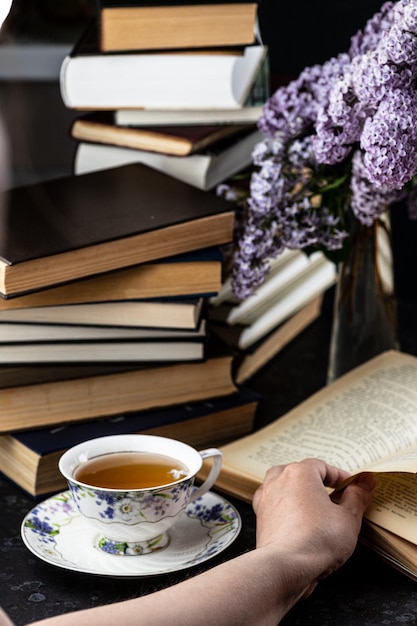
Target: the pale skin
pixel 303 535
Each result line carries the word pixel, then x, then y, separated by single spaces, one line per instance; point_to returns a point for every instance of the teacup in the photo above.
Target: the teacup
pixel 133 518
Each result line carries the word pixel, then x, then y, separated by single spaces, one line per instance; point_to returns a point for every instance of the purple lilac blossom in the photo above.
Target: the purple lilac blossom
pixel 399 44
pixel 357 114
pixel 368 203
pixel 293 108
pixel 281 213
pixel 374 74
pixel 389 140
pixel 405 12
pixel 368 38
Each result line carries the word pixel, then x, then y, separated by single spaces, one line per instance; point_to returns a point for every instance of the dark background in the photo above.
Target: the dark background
pixel 305 32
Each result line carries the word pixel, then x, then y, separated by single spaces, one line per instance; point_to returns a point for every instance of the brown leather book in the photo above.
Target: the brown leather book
pixel 99 127
pixel 77 226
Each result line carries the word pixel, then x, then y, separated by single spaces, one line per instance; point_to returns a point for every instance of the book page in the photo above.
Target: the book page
pixel 394 504
pixel 367 418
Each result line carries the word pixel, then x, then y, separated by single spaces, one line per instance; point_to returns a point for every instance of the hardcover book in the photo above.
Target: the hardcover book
pixel 203 170
pixel 182 313
pixel 294 281
pixel 248 362
pixel 175 79
pixel 30 458
pixel 197 273
pixel 39 333
pixel 39 343
pixel 128 26
pixel 250 111
pixel 177 140
pixel 54 400
pixel 77 226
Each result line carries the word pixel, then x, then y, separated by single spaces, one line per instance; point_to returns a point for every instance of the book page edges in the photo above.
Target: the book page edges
pixel 285 333
pixel 124 252
pixel 71 400
pixel 232 481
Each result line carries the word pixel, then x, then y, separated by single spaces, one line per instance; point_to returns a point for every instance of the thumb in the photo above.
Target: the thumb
pixel 357 495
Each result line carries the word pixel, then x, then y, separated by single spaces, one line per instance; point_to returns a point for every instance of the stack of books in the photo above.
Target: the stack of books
pixel 104 281
pixel 283 306
pixel 179 87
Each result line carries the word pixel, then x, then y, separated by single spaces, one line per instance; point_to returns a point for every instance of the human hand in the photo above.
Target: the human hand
pixel 300 521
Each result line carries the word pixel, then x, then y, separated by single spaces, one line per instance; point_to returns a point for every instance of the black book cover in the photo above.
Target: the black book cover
pixel 73 212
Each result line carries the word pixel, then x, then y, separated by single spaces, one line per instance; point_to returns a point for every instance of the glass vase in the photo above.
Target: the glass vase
pixel 365 314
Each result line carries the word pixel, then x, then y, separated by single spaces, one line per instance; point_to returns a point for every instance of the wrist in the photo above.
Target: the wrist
pixel 287 577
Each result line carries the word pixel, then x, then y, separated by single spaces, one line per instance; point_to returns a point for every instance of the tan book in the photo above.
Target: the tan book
pixel 30 458
pixel 176 140
pixel 57 401
pixel 187 25
pixel 179 313
pixel 195 273
pixel 364 421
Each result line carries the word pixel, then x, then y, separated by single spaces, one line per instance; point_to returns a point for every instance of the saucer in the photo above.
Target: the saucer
pixel 55 532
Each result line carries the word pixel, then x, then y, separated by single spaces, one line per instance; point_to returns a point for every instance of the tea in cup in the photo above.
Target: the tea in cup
pixel 133 488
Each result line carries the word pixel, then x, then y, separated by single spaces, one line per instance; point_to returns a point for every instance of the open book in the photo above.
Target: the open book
pixel 365 420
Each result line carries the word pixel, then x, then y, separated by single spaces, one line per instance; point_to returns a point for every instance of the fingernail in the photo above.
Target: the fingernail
pixel 366 481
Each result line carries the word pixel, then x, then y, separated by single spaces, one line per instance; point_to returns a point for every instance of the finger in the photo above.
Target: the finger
pixel 357 495
pixel 330 475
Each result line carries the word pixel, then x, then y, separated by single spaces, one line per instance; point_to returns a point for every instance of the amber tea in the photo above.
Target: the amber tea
pixel 130 470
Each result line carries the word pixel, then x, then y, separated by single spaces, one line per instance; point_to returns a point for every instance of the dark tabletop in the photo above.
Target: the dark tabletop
pixel 364 591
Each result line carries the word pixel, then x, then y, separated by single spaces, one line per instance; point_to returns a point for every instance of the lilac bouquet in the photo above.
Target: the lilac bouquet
pixel 339 140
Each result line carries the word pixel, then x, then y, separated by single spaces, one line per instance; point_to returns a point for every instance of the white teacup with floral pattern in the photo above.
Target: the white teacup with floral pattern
pixel 136 521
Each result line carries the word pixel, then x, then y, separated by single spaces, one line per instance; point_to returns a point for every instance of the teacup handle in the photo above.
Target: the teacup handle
pixel 217 456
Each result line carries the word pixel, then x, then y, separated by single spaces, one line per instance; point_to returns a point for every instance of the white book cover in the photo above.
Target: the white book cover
pixel 99 351
pixel 280 280
pixel 298 294
pixel 204 170
pixel 226 292
pixel 161 117
pixel 173 80
pixel 31 332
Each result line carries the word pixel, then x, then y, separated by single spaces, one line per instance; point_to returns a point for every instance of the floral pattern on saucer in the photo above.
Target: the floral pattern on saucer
pixel 56 533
